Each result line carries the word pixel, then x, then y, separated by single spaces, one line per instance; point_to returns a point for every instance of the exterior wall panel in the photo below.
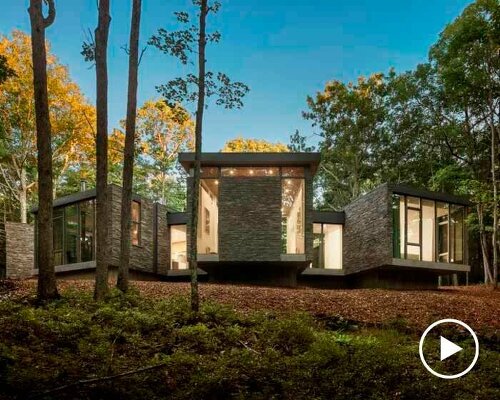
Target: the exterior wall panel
pixel 368 231
pixel 250 219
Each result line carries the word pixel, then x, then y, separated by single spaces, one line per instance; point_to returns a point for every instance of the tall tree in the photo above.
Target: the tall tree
pixel 101 68
pixel 47 288
pixel 195 88
pixel 350 120
pixel 129 151
pixel 72 120
pixel 242 145
pixel 467 62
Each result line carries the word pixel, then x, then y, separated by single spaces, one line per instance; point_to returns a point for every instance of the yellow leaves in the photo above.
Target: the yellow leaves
pixel 241 145
pixel 72 116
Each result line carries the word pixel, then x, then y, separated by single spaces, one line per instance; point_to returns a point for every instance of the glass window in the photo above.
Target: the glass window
pixel 327 246
pixel 292 172
pixel 457 234
pixel 428 231
pixel 135 230
pixel 317 246
pixel 178 247
pixel 58 234
pixel 250 171
pixel 292 212
pixel 442 231
pixel 413 227
pixel 396 224
pixel 333 246
pixel 208 217
pixel 71 234
pixel 87 222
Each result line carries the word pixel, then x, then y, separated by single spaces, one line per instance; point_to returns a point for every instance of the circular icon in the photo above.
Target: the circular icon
pixel 448 348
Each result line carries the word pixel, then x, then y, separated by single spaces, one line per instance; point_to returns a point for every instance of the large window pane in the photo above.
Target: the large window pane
pixel 58 218
pixel 292 211
pixel 428 231
pixel 208 217
pixel 442 231
pixel 413 252
pixel 318 261
pixel 333 246
pixel 413 226
pixel 87 220
pixel 71 234
pixel 178 247
pixel 457 234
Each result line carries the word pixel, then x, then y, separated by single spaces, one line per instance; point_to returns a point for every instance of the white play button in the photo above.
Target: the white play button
pixel 448 348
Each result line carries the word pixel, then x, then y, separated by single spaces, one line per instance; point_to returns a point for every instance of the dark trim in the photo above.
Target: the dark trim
pixel 87 195
pixel 311 160
pixel 427 194
pixel 177 218
pixel 328 217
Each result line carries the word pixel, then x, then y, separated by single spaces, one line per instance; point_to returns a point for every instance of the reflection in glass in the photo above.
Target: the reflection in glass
pixel 87 220
pixel 178 247
pixel 442 231
pixel 208 217
pixel 457 234
pixel 58 219
pixel 292 213
pixel 428 231
pixel 71 234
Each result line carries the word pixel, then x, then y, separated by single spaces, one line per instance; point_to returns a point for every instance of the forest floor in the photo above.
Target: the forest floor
pixel 476 305
pixel 246 342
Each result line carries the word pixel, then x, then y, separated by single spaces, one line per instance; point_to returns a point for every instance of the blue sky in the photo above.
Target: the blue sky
pixel 284 50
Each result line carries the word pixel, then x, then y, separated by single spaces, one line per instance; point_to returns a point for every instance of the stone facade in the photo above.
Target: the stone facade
pixel 142 257
pixel 250 219
pixel 17 250
pixel 367 240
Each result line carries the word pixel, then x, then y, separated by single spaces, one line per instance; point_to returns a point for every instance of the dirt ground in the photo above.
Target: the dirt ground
pixel 477 306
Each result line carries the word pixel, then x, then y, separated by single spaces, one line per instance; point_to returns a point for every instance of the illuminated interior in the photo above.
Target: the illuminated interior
pixel 178 247
pixel 327 246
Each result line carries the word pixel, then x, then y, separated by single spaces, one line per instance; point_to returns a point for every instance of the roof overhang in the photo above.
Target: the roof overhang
pixel 328 217
pixel 310 160
pixel 427 194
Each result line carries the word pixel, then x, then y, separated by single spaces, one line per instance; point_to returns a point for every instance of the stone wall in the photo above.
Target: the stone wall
pixel 250 219
pixel 367 231
pixel 142 256
pixel 163 241
pixel 17 250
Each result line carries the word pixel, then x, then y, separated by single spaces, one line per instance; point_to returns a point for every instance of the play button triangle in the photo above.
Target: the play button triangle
pixel 448 348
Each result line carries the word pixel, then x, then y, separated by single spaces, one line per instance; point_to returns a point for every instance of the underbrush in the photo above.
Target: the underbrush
pixel 215 354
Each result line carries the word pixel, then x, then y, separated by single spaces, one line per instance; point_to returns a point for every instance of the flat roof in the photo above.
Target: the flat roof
pixel 88 195
pixel 329 217
pixel 408 190
pixel 311 160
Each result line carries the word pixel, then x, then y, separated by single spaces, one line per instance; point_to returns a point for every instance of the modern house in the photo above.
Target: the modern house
pixel 257 225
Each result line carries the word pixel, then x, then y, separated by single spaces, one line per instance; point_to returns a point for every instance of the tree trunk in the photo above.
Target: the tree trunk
pixel 494 237
pixel 23 198
pixel 101 67
pixel 128 154
pixel 193 251
pixel 484 245
pixel 47 288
